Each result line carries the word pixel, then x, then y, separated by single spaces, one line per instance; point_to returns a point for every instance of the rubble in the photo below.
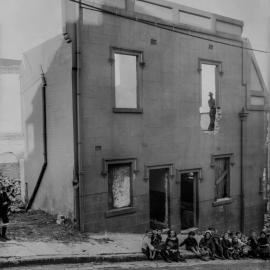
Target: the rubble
pixel 13 189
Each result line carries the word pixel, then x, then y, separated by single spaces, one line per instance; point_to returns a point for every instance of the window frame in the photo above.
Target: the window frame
pixel 139 67
pixel 111 212
pixel 218 74
pixel 228 199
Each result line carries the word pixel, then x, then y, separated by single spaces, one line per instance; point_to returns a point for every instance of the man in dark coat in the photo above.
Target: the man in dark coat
pixel 212 112
pixel 4 204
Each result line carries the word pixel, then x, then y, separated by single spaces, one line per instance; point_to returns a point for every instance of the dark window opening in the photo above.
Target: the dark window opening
pixel 159 197
pixel 189 200
pixel 222 177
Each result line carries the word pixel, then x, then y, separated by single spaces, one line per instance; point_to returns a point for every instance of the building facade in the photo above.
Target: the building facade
pixel 155 116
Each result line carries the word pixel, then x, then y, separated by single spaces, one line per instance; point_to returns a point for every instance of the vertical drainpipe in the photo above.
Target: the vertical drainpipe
pixel 77 183
pixel 243 116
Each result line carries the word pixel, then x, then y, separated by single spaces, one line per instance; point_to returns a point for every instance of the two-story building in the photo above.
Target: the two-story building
pixel 145 113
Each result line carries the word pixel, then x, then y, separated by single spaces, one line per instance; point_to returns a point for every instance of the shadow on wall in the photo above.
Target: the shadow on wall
pixel 54 58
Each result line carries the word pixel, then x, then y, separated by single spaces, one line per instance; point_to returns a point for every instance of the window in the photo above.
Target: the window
pixel 222 177
pixel 208 97
pixel 119 177
pixel 127 80
pixel 210 113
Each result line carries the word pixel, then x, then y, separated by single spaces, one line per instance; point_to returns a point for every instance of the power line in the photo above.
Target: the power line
pixel 164 26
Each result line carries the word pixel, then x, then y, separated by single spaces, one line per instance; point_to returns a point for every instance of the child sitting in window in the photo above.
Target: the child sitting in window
pixel 147 248
pixel 191 244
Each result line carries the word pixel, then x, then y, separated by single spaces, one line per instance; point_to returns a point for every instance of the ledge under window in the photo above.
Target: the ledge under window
pixel 223 201
pixel 127 110
pixel 120 211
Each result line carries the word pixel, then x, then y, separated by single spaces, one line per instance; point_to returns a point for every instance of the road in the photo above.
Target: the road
pixel 190 265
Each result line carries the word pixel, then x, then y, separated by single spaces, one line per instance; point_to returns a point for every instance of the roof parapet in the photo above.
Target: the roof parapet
pixel 180 15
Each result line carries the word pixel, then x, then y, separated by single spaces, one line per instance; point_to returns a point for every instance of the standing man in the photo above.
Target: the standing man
pixel 212 112
pixel 4 204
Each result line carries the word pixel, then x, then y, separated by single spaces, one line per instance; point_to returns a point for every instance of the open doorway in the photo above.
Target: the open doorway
pixel 189 199
pixel 159 197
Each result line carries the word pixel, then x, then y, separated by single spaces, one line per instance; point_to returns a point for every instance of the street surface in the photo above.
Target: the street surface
pixel 190 265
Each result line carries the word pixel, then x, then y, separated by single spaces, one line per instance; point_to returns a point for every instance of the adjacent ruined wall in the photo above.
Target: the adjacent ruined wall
pixel 55 194
pixel 168 131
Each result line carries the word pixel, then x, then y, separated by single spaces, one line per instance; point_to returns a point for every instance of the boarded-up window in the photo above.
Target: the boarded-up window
pixel 119 185
pixel 222 176
pixel 125 79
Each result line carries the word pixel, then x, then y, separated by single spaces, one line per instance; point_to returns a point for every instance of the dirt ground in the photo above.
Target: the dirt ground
pixel 40 226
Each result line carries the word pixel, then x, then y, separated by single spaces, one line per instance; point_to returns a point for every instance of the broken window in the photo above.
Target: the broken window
pixel 125 72
pixel 119 185
pixel 208 107
pixel 222 177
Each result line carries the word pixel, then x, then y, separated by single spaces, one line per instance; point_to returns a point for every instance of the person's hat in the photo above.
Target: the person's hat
pixel 211 94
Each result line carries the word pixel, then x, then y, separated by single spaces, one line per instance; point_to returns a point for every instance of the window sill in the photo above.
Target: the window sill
pixel 127 110
pixel 220 202
pixel 119 212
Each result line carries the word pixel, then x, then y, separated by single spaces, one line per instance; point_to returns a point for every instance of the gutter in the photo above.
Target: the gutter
pixel 45 152
pixel 243 116
pixel 76 120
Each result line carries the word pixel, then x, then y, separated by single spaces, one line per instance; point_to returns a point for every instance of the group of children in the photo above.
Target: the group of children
pixel 211 246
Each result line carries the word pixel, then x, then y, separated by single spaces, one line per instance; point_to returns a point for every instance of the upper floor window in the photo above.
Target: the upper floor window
pixel 210 72
pixel 127 80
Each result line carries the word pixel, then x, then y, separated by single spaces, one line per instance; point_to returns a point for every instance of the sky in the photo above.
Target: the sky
pixel 27 23
pixel 256 17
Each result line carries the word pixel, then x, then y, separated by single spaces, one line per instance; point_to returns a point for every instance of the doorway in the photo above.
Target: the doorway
pixel 159 197
pixel 189 200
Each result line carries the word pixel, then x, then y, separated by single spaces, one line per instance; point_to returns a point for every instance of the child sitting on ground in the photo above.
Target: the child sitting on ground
pixel 217 242
pixel 191 244
pixel 236 254
pixel 170 251
pixel 147 248
pixel 264 250
pixel 207 245
pixel 227 246
pixel 253 243
pixel 156 241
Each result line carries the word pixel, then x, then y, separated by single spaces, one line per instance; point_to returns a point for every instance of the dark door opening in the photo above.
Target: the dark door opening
pixel 159 198
pixel 188 200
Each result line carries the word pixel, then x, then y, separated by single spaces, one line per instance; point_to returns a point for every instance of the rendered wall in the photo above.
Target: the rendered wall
pixel 55 194
pixel 168 130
